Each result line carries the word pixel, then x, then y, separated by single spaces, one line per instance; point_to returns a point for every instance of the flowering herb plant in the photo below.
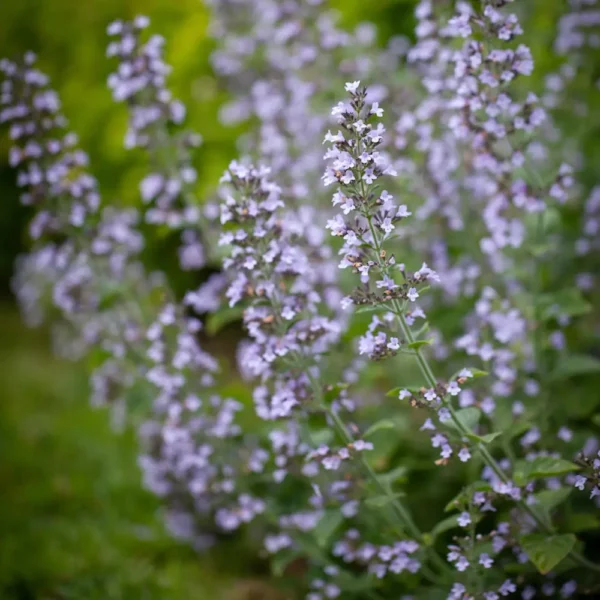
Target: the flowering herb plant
pixel 402 420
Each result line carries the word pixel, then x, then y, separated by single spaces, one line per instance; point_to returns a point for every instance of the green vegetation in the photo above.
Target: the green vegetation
pixel 75 521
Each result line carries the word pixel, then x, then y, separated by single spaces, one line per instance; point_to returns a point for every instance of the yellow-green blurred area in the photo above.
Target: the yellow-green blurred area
pixel 75 522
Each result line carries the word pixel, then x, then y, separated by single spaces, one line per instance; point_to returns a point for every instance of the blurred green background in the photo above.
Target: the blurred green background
pixel 75 522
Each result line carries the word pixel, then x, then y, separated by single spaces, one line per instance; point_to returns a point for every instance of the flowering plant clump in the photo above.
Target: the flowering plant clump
pixel 411 412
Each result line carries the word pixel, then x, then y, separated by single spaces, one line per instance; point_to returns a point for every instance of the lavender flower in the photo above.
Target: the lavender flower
pixel 267 262
pixel 140 81
pixel 51 166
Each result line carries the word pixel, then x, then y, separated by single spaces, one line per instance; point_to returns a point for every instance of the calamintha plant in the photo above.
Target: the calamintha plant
pixel 427 291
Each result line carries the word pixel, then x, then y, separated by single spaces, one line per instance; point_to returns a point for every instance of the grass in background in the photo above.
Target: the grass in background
pixel 75 522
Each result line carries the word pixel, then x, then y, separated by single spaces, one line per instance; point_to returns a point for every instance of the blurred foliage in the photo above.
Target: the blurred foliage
pixel 76 523
pixel 70 39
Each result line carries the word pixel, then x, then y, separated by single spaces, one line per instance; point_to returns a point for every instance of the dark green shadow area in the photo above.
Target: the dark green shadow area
pixel 75 522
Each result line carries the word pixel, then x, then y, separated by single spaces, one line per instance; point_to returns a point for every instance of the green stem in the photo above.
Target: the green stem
pixel 485 453
pixel 402 513
pixel 431 380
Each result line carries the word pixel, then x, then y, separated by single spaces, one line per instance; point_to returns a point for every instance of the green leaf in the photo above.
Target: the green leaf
pixel 420 343
pixel 488 438
pixel 282 560
pixel 516 429
pixel 380 425
pixel 578 522
pixel 574 365
pixel 566 302
pixel 333 391
pixel 394 392
pixel 369 308
pixel 326 527
pixel 222 317
pixel 469 417
pixel 443 526
pixel 543 466
pixel 321 436
pixel 545 552
pixel 110 297
pixel 393 476
pixel 354 584
pixel 381 501
pixel 477 373
pixel 548 500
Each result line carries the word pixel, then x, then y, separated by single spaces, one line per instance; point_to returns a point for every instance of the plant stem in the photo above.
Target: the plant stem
pixel 485 453
pixel 402 513
pixel 431 380
pixel 396 504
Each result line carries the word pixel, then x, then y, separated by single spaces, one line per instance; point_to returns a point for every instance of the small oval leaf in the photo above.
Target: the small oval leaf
pixel 545 552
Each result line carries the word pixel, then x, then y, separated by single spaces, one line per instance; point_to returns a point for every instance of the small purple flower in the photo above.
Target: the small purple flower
pixel 464 519
pixel 485 560
pixel 427 425
pixel 507 588
pixel 464 455
pixel 453 388
pixel 430 395
pixel 444 415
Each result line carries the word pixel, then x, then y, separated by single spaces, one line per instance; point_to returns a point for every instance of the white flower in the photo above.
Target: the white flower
pixel 453 388
pixel 352 86
pixel 393 344
pixel 464 455
pixel 375 110
pixel 412 294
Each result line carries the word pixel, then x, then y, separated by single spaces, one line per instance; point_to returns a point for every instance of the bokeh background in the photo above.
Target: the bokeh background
pixel 74 520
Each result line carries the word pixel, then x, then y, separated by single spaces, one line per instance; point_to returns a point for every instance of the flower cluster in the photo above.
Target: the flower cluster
pixel 356 163
pixel 51 166
pixel 464 185
pixel 140 81
pixel 271 267
pixel 81 253
pixel 591 480
pixel 579 27
pixel 379 560
pixel 277 58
